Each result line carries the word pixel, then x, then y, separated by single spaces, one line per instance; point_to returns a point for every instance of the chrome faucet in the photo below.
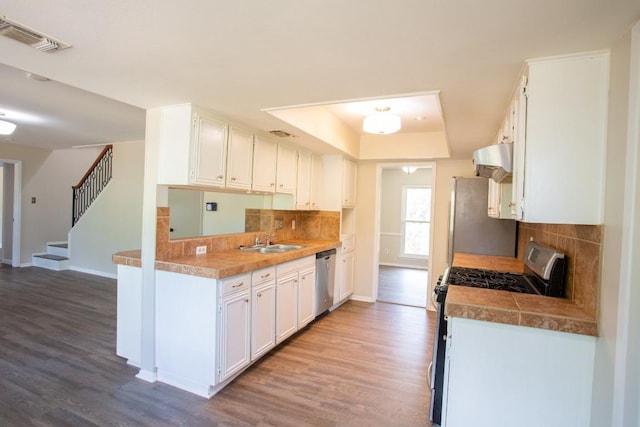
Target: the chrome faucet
pixel 270 236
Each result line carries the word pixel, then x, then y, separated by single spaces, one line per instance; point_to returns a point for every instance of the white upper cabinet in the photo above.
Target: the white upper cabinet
pixel 339 180
pixel 559 159
pixel 286 170
pixel 264 165
pixel 315 196
pixel 192 146
pixel 240 159
pixel 349 169
pixel 303 187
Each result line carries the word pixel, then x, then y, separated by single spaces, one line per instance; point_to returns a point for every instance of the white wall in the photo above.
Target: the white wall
pixel 614 199
pixel 113 223
pixel 48 176
pixel 392 182
pixel 365 255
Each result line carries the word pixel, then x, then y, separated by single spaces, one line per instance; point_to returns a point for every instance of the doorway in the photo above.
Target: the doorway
pixel 10 211
pixel 404 233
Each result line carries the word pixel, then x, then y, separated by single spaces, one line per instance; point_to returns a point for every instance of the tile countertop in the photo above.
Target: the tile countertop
pixel 218 265
pixel 556 314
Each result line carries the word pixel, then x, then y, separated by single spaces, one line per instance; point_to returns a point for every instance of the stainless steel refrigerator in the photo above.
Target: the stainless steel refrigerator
pixel 470 228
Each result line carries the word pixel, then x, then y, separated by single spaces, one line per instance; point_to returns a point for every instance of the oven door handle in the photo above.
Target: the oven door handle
pixel 434 299
pixel 429 369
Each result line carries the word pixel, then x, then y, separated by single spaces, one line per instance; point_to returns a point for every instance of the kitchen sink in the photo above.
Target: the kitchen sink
pixel 272 249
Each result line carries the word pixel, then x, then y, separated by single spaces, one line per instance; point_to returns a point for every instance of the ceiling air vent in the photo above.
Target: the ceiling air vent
pixel 25 35
pixel 280 133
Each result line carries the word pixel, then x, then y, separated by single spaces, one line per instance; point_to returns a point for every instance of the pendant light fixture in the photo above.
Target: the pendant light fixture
pixel 6 128
pixel 382 122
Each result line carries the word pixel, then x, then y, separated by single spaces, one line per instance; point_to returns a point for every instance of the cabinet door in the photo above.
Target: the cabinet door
pixel 303 186
pixel 234 341
pixel 346 281
pixel 315 196
pixel 287 170
pixel 240 160
pixel 348 183
pixel 264 165
pixel 209 156
pixel 286 306
pixel 306 297
pixel 263 319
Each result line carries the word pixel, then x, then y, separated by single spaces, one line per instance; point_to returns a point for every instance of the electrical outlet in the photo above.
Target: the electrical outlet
pixel 293 224
pixel 201 250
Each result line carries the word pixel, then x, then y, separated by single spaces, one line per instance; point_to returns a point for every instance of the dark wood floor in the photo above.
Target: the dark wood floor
pixel 361 365
pixel 407 286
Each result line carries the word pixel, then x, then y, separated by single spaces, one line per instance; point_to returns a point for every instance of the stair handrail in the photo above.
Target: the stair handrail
pixel 81 200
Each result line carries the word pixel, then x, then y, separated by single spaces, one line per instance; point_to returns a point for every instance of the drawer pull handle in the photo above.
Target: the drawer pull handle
pixel 265 275
pixel 238 285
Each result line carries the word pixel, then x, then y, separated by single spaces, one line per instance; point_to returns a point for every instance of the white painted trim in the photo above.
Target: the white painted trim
pixel 17 210
pixel 94 272
pixel 383 233
pixel 362 298
pixel 25 264
pixel 393 264
pixel 147 376
pixel 626 395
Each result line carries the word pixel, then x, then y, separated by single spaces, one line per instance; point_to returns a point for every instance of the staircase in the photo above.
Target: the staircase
pixel 84 193
pixel 56 257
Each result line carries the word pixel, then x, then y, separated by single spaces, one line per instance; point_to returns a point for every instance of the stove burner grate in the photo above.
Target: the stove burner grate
pixel 490 279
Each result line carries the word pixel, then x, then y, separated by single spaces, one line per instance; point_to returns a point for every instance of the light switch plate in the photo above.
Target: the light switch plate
pixel 201 250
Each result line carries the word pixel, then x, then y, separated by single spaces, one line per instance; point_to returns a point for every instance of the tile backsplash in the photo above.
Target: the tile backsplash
pixel 310 225
pixel 582 245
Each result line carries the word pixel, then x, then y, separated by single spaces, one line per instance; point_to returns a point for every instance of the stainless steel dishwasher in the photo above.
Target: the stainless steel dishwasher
pixel 325 280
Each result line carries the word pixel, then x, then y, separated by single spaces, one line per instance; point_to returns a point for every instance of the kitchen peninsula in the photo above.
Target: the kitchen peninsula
pixel 219 312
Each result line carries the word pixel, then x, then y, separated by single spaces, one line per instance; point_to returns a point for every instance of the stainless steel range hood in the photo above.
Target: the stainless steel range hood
pixel 495 162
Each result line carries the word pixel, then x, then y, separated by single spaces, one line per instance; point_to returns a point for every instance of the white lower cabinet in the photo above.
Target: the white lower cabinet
pixel 263 312
pixel 499 375
pixel 306 297
pixel 209 330
pixel 235 325
pixel 287 306
pixel 295 296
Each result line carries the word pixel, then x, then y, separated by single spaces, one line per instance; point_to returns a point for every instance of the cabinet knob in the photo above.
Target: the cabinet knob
pixel 260 295
pixel 220 177
pixel 246 300
pixel 233 179
pixel 272 184
pixel 281 185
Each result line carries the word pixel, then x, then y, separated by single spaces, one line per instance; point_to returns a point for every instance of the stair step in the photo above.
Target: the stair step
pixel 51 261
pixel 58 248
pixel 52 257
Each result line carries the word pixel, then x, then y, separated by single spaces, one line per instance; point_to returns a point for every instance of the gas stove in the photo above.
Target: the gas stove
pixel 543 275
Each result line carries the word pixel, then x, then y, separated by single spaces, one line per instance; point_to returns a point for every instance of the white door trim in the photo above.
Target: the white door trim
pixel 17 209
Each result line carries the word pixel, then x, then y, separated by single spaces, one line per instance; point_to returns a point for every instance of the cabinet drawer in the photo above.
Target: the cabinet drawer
pixel 348 243
pixel 263 275
pixel 235 284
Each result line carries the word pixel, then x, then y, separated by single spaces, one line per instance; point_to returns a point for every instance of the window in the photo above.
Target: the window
pixel 416 213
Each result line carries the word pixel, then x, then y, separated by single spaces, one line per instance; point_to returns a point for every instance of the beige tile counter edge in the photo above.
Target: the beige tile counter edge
pixel 556 314
pixel 218 265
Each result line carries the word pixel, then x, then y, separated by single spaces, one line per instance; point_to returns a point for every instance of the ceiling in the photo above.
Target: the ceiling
pixel 242 58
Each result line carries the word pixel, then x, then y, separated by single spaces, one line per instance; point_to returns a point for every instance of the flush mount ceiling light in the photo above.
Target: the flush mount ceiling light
pixel 409 169
pixel 6 128
pixel 25 35
pixel 381 122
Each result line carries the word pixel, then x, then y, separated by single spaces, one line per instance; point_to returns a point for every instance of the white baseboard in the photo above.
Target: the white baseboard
pixel 362 298
pixel 392 264
pixel 26 264
pixel 147 376
pixel 94 272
